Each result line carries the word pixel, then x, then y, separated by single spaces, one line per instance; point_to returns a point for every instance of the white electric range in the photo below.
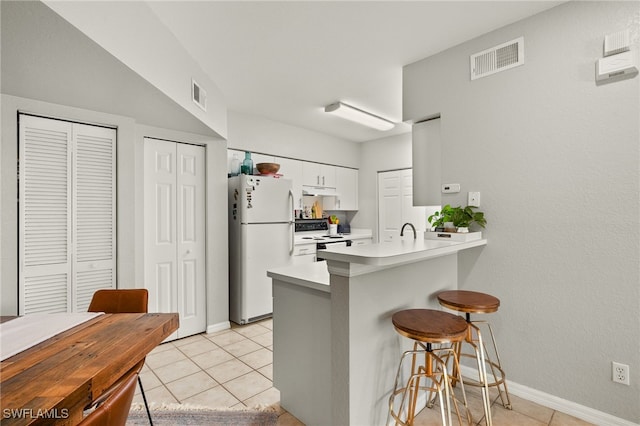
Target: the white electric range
pixel 312 235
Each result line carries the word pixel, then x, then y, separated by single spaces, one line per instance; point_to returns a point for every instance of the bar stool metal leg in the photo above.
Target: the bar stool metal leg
pixel 496 367
pixel 404 414
pixel 434 372
pixel 479 303
pixel 479 349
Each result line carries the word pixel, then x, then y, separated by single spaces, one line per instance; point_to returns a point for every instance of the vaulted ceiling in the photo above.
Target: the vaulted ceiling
pixel 286 60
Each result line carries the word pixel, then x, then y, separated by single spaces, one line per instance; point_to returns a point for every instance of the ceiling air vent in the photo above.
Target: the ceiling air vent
pixel 198 95
pixel 498 58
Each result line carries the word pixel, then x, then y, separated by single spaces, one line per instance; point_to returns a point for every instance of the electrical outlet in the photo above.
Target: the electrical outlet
pixel 473 199
pixel 620 373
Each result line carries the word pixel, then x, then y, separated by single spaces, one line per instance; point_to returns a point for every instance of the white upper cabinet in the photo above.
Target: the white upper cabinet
pixel 314 174
pixel 427 158
pixel 292 170
pixel 343 179
pixel 347 189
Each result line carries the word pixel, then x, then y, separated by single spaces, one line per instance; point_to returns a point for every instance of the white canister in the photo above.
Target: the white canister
pixel 333 229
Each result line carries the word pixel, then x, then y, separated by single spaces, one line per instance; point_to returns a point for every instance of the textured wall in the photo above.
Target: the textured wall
pixel 385 154
pixel 131 32
pixel 556 159
pixel 253 133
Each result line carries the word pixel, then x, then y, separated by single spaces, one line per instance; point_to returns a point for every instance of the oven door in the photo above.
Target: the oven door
pixel 323 245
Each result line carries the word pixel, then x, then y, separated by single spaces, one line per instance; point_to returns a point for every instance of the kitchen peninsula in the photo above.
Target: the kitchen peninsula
pixel 335 349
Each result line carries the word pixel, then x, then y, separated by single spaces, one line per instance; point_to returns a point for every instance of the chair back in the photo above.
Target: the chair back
pixel 113 410
pixel 120 301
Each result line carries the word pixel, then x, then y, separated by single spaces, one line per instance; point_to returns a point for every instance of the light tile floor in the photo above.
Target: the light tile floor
pixel 234 368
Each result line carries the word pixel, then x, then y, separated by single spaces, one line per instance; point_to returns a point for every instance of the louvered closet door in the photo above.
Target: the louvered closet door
pixel 94 212
pixel 67 214
pixel 45 215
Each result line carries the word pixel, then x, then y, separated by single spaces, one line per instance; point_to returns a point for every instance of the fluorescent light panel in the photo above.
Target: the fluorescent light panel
pixel 359 116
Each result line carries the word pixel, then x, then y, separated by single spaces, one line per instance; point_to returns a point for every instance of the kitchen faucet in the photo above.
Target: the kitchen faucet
pixel 412 227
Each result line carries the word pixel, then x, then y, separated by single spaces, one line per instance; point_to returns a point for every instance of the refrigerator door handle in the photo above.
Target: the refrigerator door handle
pixel 291 207
pixel 291 223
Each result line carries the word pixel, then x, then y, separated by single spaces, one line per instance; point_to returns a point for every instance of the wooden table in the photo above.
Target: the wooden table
pixel 59 377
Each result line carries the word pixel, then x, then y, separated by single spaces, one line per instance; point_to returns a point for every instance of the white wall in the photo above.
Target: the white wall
pixel 555 157
pixel 257 134
pixel 131 32
pixel 44 57
pixel 385 154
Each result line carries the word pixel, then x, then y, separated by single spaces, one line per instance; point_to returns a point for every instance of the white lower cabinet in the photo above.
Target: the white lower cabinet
pixel 304 253
pixel 361 241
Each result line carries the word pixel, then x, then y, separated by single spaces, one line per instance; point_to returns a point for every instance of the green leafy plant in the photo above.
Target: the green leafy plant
pixel 462 217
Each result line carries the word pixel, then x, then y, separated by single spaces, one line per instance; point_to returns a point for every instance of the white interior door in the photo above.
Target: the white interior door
pixel 175 232
pixel 395 206
pixel 67 225
pixel 191 239
pixel 389 205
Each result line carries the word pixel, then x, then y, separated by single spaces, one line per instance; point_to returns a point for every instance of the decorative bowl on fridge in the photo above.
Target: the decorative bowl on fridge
pixel 268 168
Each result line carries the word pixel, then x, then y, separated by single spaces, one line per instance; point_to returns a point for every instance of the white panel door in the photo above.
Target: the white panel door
pixel 395 206
pixel 175 232
pixel 389 205
pixel 160 224
pixel 191 239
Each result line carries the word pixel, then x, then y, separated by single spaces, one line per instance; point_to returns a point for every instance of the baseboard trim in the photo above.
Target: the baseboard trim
pixel 213 328
pixel 568 407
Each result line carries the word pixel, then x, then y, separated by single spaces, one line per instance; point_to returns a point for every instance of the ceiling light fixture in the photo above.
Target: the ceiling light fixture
pixel 348 112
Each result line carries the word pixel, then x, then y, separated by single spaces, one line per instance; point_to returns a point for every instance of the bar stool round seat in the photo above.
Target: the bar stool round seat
pixel 473 302
pixel 427 327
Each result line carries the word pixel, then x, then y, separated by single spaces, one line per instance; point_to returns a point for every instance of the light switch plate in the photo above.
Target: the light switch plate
pixel 448 188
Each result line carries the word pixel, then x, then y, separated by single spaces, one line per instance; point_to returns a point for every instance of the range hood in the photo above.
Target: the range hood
pixel 319 191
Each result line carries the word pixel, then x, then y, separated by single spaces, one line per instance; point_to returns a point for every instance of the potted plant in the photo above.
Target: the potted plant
pixel 456 219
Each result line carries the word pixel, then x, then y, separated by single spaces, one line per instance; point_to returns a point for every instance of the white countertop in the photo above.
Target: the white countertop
pixel 312 275
pixel 396 252
pixel 387 254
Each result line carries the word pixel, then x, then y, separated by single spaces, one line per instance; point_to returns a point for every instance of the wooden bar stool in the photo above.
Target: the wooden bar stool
pixel 472 302
pixel 427 327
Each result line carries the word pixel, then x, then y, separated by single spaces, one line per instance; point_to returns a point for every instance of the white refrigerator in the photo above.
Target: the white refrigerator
pixel 261 237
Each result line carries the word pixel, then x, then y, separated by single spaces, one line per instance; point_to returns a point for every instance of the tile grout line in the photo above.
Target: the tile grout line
pixel 201 369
